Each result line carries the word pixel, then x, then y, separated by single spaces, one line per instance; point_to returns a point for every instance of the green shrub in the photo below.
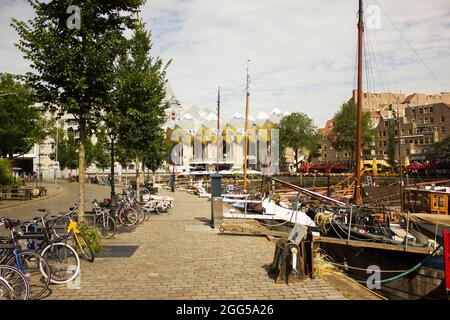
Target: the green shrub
pixel 6 175
pixel 93 237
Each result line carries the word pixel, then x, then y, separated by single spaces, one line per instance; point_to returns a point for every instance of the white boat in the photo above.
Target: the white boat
pixel 276 212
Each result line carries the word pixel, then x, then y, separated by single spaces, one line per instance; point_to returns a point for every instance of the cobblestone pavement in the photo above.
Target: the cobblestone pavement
pixel 178 257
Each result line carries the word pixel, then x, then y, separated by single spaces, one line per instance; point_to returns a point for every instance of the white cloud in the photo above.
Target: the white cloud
pixel 302 52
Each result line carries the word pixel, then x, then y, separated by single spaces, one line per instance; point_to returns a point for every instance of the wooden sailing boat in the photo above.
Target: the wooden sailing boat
pixel 365 239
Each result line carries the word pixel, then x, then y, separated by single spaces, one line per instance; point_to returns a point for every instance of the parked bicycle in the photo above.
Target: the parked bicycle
pixel 66 227
pixel 33 265
pixel 63 260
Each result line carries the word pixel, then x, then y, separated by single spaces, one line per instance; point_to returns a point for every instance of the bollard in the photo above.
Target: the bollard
pixel 216 200
pixel 172 182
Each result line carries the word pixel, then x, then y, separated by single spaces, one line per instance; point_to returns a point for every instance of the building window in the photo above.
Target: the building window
pixel 420 111
pixel 324 155
pixel 431 120
pixel 442 129
pixel 431 109
pixel 384 133
pixel 380 144
pixel 442 119
pixel 386 123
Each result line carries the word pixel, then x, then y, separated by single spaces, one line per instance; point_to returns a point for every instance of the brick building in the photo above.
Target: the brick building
pixel 422 125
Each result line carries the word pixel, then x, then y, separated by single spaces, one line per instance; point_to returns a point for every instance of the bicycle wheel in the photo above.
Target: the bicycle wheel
pixel 84 247
pixel 147 213
pixel 107 226
pixel 6 292
pixel 64 262
pixel 31 264
pixel 141 215
pixel 17 282
pixel 128 216
pixel 60 225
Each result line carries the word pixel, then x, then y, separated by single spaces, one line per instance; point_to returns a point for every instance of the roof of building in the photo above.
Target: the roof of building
pixel 325 131
pixel 409 98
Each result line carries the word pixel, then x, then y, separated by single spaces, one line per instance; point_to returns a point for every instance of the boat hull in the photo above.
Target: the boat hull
pixel 427 282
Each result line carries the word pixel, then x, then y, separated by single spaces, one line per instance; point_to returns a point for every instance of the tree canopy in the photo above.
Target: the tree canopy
pixel 442 150
pixel 140 102
pixel 67 148
pixel 74 62
pixel 21 123
pixel 101 153
pixel 343 134
pixel 297 131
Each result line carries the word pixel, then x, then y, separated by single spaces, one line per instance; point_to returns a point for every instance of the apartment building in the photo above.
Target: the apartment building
pixel 326 152
pixel 421 125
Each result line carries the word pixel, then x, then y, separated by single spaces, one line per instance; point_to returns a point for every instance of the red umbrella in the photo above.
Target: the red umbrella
pixel 415 166
pixel 317 167
pixel 429 166
pixel 328 167
pixel 339 167
pixel 305 167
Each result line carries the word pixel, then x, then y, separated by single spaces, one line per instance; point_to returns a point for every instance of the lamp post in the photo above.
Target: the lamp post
pixel 112 137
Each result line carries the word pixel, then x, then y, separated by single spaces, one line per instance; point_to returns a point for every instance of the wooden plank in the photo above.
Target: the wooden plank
pixel 374 245
pixel 254 231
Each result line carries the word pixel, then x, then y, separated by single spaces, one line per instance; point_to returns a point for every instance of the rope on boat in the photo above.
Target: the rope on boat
pixel 417 266
pixel 323 221
pixel 362 269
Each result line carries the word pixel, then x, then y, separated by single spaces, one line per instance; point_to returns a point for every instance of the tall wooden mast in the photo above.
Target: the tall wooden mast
pixel 359 108
pixel 247 95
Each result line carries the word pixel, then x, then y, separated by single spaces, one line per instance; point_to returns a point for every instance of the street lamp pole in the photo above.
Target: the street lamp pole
pixel 113 191
pixel 56 164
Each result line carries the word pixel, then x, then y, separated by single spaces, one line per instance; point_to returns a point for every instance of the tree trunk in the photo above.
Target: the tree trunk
pixel 81 173
pixel 138 180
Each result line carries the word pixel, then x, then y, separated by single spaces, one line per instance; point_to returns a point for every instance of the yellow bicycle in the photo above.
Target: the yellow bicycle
pixel 72 232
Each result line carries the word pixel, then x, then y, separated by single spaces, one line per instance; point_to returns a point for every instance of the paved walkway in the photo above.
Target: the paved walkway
pixel 179 257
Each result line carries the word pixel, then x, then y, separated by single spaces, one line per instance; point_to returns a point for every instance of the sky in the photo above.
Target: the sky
pixel 302 52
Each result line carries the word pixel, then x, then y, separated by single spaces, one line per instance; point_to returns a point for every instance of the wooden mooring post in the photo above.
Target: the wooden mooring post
pixel 292 261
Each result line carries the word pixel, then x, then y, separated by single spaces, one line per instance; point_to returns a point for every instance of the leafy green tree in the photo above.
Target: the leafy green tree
pixel 21 124
pixel 67 149
pixel 73 57
pixel 298 132
pixel 441 150
pixel 102 156
pixel 391 144
pixel 6 174
pixel 343 134
pixel 140 102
